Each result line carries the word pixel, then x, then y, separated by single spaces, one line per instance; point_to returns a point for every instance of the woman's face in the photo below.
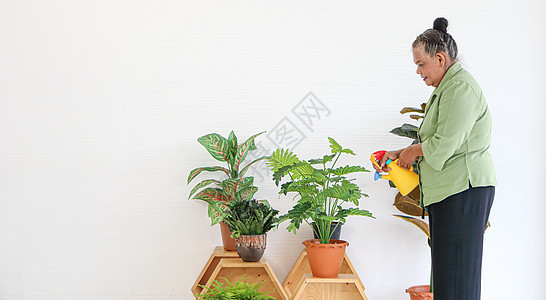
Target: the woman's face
pixel 431 68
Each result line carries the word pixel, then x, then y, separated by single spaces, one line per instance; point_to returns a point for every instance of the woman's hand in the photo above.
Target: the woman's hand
pixel 409 155
pixel 392 155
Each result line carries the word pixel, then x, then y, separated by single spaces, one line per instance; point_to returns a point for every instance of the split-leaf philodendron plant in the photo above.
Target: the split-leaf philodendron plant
pixel 322 189
pixel 236 187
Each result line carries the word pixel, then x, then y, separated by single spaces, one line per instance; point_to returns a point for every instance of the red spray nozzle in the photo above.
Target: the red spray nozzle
pixel 379 154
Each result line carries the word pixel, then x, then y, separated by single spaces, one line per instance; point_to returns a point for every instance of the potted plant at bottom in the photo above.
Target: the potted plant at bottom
pixel 250 221
pixel 323 189
pixel 239 290
pixel 235 187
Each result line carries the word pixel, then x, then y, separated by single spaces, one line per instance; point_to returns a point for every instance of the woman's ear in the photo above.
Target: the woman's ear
pixel 441 57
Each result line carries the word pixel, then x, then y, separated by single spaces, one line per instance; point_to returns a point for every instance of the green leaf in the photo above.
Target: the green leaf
pixel 242 150
pixel 420 224
pixel 256 228
pixel 242 228
pixel 328 219
pixel 348 170
pixel 245 169
pixel 359 212
pixel 299 213
pixel 216 145
pixel 406 130
pixel 202 184
pixel 302 189
pixel 336 147
pixel 324 160
pixel 198 171
pixel 282 158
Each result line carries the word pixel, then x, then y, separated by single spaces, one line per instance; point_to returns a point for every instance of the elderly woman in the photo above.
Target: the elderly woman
pixel 457 177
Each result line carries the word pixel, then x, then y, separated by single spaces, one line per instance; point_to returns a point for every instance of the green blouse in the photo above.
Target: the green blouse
pixel 455 136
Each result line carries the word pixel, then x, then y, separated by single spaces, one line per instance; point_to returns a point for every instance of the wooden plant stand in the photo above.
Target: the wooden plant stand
pixel 300 278
pixel 344 287
pixel 228 264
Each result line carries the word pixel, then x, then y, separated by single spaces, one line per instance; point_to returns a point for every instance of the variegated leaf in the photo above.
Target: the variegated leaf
pixel 232 148
pixel 246 193
pixel 211 195
pixel 406 110
pixel 198 171
pixel 231 186
pixel 216 145
pixel 420 224
pixel 217 212
pixel 245 169
pixel 242 150
pixel 203 184
pixel 408 205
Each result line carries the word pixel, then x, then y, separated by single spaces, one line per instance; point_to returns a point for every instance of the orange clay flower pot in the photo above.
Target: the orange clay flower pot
pixel 227 240
pixel 420 292
pixel 325 259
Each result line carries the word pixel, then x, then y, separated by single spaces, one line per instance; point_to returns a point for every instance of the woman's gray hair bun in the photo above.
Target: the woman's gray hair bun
pixel 437 39
pixel 440 24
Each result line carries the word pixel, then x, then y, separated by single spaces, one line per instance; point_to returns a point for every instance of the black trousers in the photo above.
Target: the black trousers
pixel 456 227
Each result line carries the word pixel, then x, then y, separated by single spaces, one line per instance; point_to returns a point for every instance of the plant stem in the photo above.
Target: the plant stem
pixel 431 288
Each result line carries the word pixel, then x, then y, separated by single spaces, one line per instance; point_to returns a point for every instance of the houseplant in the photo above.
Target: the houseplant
pixel 234 186
pixel 323 189
pixel 239 290
pixel 250 221
pixel 410 204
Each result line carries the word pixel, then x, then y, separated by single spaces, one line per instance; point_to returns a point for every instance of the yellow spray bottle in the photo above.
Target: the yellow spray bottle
pixel 404 179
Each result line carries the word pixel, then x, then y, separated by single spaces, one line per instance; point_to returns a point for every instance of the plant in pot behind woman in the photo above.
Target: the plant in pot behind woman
pixel 236 187
pixel 250 221
pixel 323 189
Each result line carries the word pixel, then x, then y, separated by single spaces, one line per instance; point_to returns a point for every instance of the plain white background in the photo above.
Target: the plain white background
pixel 101 103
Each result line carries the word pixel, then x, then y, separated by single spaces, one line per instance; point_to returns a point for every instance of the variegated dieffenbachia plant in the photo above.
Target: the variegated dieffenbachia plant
pixel 234 186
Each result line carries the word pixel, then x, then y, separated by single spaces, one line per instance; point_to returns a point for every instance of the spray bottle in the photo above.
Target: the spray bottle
pixel 404 179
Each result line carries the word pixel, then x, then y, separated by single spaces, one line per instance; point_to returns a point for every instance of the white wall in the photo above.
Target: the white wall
pixel 101 103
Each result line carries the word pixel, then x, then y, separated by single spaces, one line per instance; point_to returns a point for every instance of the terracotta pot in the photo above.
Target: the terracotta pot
pixel 325 259
pixel 420 292
pixel 251 247
pixel 227 240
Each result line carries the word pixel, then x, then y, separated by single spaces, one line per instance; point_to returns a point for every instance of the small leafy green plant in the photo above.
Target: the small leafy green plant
pixel 236 187
pixel 239 290
pixel 251 217
pixel 322 188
